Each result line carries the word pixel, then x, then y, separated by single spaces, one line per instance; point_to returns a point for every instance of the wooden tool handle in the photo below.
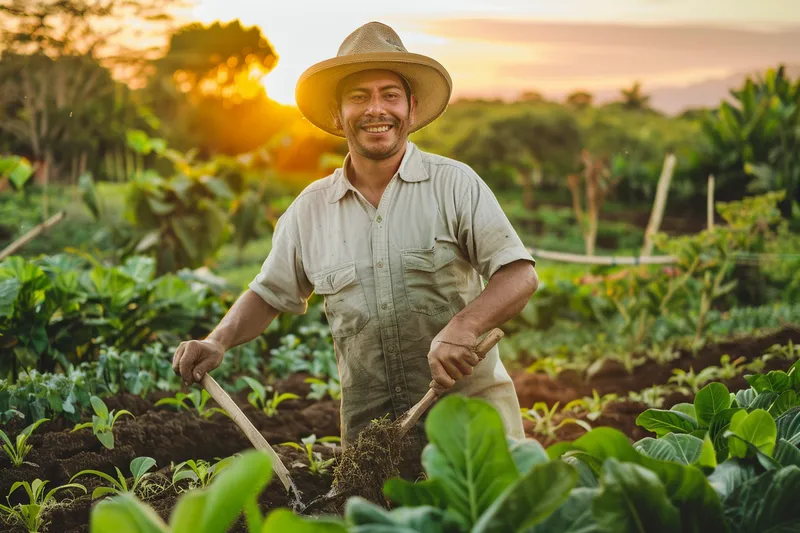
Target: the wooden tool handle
pixel 410 418
pixel 253 435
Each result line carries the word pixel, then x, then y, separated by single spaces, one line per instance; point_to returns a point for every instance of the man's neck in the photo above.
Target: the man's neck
pixel 373 175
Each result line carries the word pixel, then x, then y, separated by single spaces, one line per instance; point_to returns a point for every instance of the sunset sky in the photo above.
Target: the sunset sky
pixel 500 48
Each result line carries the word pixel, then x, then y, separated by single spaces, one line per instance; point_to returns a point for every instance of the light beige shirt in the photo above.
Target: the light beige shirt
pixel 392 278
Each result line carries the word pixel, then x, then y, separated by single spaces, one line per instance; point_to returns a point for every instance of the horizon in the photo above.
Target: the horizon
pixel 551 49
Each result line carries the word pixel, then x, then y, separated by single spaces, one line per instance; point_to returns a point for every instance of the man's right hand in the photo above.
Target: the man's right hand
pixel 194 358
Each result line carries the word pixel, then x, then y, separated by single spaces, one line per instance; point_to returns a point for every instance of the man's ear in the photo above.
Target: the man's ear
pixel 412 110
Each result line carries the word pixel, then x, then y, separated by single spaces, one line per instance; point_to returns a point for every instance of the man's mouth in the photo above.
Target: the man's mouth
pixel 383 128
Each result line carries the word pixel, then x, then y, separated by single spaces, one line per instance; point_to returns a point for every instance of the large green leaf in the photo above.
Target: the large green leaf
pixel 214 509
pixel 125 514
pixel 17 169
pixel 745 397
pixel 710 400
pixel 366 517
pixel 775 381
pixel 789 426
pixel 633 500
pixel 786 453
pixel 757 428
pixel 686 486
pixel 113 284
pixel 468 453
pixel 574 516
pixel 529 501
pixel 138 141
pixel 764 401
pixel 284 521
pixel 684 449
pixel 140 268
pixel 730 475
pixel 766 504
pixel 527 453
pixel 402 492
pixel 9 289
pixel 716 431
pixel 785 401
pixel 661 422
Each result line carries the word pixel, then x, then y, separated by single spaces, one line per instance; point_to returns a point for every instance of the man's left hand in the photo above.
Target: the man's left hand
pixel 452 355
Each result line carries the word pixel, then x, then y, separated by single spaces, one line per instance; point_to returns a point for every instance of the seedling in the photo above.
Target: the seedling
pixel 197 398
pixel 258 397
pixel 694 382
pixel 31 514
pixel 200 472
pixel 544 420
pixel 730 369
pixel 651 396
pixel 316 465
pixel 139 469
pixel 103 421
pixel 17 450
pixel 593 406
pixel 320 388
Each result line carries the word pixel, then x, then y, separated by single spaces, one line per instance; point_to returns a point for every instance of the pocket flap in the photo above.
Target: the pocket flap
pixel 333 280
pixel 427 260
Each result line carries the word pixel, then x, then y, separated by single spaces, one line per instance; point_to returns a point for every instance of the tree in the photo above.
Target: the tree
pixel 529 146
pixel 598 182
pixel 756 139
pixel 59 103
pixel 208 88
pixel 580 99
pixel 634 98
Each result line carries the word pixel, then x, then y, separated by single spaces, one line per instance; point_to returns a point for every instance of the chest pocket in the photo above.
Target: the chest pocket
pixel 430 279
pixel 345 301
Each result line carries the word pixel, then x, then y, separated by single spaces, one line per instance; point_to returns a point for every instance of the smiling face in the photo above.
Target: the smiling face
pixel 375 113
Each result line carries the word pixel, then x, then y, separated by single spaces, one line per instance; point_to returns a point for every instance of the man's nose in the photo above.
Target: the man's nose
pixel 375 107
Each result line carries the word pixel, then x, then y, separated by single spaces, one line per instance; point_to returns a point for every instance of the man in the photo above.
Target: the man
pixel 396 241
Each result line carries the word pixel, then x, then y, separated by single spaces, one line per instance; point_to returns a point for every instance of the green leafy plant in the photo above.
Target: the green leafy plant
pixel 209 510
pixel 140 470
pixel 316 465
pixel 197 398
pixel 259 399
pixel 320 388
pixel 692 382
pixel 200 472
pixel 592 406
pixel 19 448
pixel 103 421
pixel 544 419
pixel 31 515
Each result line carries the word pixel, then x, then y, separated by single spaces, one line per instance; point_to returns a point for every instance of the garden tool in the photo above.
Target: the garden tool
pixel 253 435
pixel 400 427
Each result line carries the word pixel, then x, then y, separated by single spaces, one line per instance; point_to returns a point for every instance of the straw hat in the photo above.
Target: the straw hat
pixel 373 46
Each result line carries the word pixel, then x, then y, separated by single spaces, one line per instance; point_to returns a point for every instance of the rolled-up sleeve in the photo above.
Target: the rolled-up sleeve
pixel 282 281
pixel 484 231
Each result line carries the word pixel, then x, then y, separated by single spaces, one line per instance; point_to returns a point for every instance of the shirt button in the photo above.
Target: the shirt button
pixel 380 264
pixel 379 219
pixel 384 306
pixel 391 348
pixel 398 389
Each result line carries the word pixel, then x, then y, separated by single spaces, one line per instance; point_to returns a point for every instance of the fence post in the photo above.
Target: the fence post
pixel 657 214
pixel 710 203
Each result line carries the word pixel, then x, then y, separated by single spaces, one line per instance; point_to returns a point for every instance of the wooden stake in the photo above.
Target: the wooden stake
pixel 657 214
pixel 32 234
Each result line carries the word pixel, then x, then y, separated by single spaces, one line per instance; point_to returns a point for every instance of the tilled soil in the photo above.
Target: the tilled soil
pixel 169 437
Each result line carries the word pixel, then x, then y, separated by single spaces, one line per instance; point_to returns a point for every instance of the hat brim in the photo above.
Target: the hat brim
pixel 430 83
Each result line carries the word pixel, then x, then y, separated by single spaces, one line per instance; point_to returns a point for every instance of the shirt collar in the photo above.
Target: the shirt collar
pixel 412 170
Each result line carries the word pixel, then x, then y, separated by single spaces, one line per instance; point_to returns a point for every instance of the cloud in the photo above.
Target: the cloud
pixel 559 55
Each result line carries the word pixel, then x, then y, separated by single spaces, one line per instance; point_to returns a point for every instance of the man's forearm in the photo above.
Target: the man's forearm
pixel 244 321
pixel 506 294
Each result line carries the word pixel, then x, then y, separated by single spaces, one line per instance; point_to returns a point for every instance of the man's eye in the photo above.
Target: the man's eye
pixel 391 96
